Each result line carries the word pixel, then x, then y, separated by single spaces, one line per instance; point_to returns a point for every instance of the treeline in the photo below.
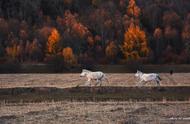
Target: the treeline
pixel 95 31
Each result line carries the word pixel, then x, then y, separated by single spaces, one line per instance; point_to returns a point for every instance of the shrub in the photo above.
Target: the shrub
pixel 11 66
pixel 56 63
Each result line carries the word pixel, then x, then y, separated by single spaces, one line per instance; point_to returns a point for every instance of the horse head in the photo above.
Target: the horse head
pixel 84 72
pixel 138 73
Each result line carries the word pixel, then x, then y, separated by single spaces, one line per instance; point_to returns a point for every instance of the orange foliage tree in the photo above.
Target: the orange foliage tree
pixel 68 2
pixel 159 43
pixel 13 51
pixel 34 50
pixel 44 33
pixel 172 27
pixel 135 43
pixel 158 33
pixel 132 9
pixel 111 50
pixel 68 55
pixel 170 33
pixel 133 12
pixel 186 29
pixel 53 39
pixel 4 28
pixel 122 3
pixel 186 34
pixel 74 26
pixel 96 2
pixel 91 40
pixel 171 18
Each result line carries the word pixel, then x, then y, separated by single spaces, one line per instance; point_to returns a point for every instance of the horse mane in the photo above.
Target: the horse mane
pixel 139 71
pixel 85 70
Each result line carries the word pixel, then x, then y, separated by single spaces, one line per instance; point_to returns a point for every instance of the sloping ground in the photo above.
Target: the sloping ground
pixel 95 113
pixel 72 80
pixel 40 94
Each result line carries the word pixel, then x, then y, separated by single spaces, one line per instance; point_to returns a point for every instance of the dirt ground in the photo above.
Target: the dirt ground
pixel 95 113
pixel 72 80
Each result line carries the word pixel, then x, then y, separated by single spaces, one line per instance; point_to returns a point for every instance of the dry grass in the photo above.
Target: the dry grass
pixel 95 113
pixel 66 112
pixel 72 80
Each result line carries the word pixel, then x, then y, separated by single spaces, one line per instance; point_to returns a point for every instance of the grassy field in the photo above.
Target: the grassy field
pixel 57 99
pixel 95 113
pixel 145 94
pixel 72 80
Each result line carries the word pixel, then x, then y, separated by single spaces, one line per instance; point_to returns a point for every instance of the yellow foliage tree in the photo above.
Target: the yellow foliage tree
pixel 53 39
pixel 135 43
pixel 132 9
pixel 68 55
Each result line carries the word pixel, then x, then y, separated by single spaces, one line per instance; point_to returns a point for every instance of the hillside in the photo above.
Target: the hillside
pixel 95 31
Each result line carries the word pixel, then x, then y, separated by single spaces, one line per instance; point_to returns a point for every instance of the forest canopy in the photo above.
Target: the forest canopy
pixel 95 31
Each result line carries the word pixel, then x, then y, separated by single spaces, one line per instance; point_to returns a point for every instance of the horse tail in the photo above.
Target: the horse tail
pixel 105 77
pixel 159 78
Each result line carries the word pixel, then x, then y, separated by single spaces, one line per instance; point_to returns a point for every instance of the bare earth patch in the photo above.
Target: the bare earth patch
pixel 95 113
pixel 72 80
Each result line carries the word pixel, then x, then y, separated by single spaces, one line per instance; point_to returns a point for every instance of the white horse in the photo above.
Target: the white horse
pixel 97 76
pixel 144 78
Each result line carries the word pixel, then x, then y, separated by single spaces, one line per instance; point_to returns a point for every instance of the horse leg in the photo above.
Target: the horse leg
pixel 140 83
pixel 88 82
pixel 145 82
pixel 158 82
pixel 137 84
pixel 106 79
pixel 100 82
pixel 97 82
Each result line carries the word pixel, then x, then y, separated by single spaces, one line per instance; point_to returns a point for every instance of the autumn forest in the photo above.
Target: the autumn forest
pixel 95 31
